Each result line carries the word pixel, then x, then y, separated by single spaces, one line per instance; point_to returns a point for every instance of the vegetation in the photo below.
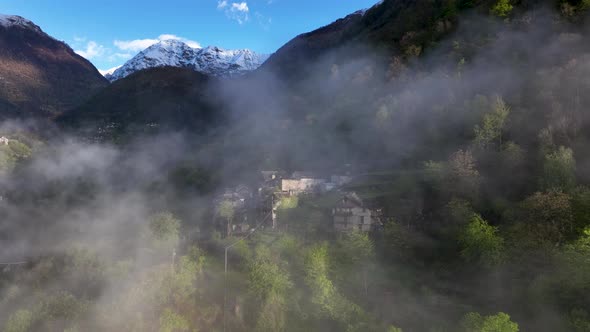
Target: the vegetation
pixel 470 151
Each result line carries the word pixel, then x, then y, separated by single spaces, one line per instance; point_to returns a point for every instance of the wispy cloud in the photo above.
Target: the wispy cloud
pixel 92 50
pixel 79 39
pixel 237 11
pixel 221 4
pixel 137 45
pixel 263 21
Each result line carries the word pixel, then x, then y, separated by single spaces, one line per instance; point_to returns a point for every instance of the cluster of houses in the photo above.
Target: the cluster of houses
pixel 251 208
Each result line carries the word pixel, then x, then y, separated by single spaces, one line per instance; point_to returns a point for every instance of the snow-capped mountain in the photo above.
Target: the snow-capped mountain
pixel 209 60
pixel 108 72
pixel 8 21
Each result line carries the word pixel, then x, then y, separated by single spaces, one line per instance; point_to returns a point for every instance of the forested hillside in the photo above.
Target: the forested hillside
pixel 465 136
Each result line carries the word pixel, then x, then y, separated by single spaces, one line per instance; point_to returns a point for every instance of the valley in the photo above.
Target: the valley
pixel 418 166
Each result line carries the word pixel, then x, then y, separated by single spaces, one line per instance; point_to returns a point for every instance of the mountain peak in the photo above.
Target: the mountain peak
pixel 171 43
pixel 211 60
pixel 39 75
pixel 17 21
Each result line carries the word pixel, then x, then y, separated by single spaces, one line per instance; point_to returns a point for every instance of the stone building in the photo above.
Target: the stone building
pixel 4 140
pixel 303 185
pixel 351 214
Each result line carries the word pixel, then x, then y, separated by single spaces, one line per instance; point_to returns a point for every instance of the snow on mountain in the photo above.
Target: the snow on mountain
pixel 209 60
pixel 108 72
pixel 364 11
pixel 17 21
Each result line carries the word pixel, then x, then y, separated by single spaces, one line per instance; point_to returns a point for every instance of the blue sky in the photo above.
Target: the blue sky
pixel 109 32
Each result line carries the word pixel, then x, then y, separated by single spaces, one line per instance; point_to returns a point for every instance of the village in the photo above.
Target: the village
pixel 244 208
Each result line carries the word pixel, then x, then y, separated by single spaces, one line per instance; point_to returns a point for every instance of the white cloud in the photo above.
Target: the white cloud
pixel 263 21
pixel 134 45
pixel 141 44
pixel 221 4
pixel 240 7
pixel 237 11
pixel 93 50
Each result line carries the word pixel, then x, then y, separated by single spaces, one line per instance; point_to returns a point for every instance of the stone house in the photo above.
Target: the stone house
pixel 351 214
pixel 4 140
pixel 303 185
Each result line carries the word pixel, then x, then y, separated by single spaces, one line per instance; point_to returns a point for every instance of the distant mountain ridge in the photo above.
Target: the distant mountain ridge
pixel 210 60
pixel 39 75
pixel 388 28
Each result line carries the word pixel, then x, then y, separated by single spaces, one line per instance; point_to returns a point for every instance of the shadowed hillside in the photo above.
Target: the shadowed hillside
pixel 41 76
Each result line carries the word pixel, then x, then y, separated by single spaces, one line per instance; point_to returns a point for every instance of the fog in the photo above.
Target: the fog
pixel 363 115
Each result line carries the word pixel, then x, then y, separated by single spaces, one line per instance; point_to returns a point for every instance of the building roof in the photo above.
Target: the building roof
pixel 350 199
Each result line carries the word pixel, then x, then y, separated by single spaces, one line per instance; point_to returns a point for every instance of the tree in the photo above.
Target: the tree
pixel 489 134
pixel 269 284
pixel 227 212
pixel 499 323
pixel 502 8
pixel 353 258
pixel 474 322
pixel 324 295
pixel 481 243
pixel 579 320
pixel 512 155
pixel 288 202
pixel 19 321
pixel 164 232
pixel 559 170
pixel 463 179
pixel 267 278
pixel 548 217
pixel 581 207
pixel 272 316
pixel 170 321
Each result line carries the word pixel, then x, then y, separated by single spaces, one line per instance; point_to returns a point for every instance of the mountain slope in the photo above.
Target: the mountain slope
pixel 164 97
pixel 41 76
pixel 211 60
pixel 402 27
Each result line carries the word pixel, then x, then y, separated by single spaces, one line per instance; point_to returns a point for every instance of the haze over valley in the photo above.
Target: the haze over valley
pixel 415 166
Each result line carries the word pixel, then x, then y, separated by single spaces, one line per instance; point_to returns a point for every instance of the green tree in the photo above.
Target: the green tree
pixel 435 174
pixel 581 207
pixel 481 243
pixel 19 321
pixel 559 170
pixel 170 321
pixel 164 232
pixel 398 239
pixel 489 134
pixel 502 8
pixel 226 211
pixel 267 278
pixel 288 202
pixel 512 155
pixel 353 259
pixel 269 284
pixel 474 322
pixel 324 295
pixel 272 316
pixel 12 154
pixel 579 320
